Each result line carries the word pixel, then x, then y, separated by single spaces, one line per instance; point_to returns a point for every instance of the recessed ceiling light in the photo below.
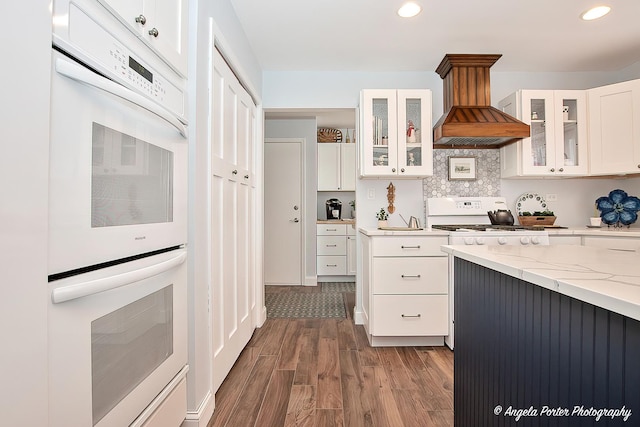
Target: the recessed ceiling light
pixel 409 10
pixel 595 13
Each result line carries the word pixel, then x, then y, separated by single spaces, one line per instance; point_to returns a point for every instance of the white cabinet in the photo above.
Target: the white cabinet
pixel 614 128
pixel 351 251
pixel 405 290
pixel 332 250
pixel 161 24
pixel 564 240
pixel 558 142
pixel 396 138
pixel 336 167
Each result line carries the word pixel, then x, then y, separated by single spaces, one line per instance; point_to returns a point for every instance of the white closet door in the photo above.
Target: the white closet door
pixel 232 218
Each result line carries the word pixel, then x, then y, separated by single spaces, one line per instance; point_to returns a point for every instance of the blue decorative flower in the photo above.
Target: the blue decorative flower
pixel 618 208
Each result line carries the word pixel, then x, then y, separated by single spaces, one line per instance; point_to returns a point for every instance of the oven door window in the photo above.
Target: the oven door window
pixel 127 345
pixel 132 180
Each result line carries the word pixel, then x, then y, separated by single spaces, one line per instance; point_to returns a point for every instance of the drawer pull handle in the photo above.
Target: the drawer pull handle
pixel 410 247
pixel 332 265
pixel 331 246
pixel 405 276
pixel 415 315
pixel 331 229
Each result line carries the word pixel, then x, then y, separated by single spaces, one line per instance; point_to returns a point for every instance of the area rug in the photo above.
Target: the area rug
pixel 328 303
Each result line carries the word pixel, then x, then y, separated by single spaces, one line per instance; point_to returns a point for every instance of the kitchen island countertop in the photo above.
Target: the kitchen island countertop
pixel 603 277
pixel 602 231
pixel 371 231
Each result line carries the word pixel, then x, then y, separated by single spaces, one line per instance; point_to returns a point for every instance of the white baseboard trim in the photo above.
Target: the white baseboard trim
pixel 358 317
pixel 336 278
pixel 310 281
pixel 202 416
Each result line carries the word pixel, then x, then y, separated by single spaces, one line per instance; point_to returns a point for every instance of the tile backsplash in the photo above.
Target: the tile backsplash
pixel 487 182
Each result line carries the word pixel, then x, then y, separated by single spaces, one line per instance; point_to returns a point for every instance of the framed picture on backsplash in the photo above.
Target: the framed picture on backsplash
pixel 462 168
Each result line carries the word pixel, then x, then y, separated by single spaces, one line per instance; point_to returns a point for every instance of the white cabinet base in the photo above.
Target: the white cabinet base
pixel 377 341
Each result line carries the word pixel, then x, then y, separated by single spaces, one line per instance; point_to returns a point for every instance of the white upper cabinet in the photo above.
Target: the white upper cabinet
pixel 614 128
pixel 161 24
pixel 395 133
pixel 336 167
pixel 558 142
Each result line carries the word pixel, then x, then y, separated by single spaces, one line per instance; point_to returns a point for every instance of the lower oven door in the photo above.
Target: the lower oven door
pixel 118 171
pixel 118 339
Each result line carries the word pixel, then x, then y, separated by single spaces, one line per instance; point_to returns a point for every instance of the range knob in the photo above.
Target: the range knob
pixel 480 240
pixel 468 240
pixel 525 240
pixel 535 240
pixel 502 240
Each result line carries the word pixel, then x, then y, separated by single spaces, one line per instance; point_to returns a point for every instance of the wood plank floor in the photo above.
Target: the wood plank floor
pixel 322 372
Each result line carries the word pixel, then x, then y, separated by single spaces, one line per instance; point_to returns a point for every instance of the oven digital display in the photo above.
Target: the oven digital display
pixel 138 68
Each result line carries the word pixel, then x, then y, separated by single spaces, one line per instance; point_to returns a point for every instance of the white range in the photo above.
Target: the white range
pixel 467 221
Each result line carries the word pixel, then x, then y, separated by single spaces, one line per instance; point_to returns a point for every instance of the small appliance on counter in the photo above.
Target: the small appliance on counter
pixel 334 209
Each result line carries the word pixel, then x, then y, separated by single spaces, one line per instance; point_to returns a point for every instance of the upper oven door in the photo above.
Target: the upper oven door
pixel 118 171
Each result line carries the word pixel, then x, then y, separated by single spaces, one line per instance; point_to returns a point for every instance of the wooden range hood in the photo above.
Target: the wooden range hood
pixel 469 120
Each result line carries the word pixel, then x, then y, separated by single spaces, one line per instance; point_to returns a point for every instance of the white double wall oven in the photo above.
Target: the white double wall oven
pixel 118 231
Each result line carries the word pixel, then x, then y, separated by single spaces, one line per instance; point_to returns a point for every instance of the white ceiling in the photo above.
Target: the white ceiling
pixel 368 35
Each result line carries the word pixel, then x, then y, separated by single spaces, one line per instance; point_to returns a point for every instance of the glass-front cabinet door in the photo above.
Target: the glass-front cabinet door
pixel 415 138
pixel 557 145
pixel 396 133
pixel 379 132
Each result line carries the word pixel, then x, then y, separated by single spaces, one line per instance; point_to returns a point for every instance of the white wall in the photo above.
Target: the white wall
pixel 24 171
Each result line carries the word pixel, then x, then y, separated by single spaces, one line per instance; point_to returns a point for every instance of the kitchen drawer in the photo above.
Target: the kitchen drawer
pixel 331 229
pixel 410 275
pixel 351 230
pixel 331 265
pixel 409 315
pixel 331 245
pixel 411 246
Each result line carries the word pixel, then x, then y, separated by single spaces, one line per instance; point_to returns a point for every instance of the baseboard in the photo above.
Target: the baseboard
pixel 310 281
pixel 358 317
pixel 376 341
pixel 336 279
pixel 202 416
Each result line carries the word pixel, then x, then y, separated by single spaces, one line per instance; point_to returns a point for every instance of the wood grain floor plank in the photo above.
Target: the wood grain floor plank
pixel 330 418
pixel 368 355
pixel 412 409
pixel 276 335
pixel 384 410
pixel 346 337
pixel 292 344
pixel 250 400
pixel 329 387
pixel 307 367
pixel 301 411
pixel 423 376
pixel 400 377
pixel 276 400
pixel 356 406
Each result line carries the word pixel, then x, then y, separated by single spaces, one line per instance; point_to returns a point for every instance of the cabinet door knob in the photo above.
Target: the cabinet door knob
pixel 553 169
pixel 393 169
pixel 402 170
pixel 154 32
pixel 295 220
pixel 141 19
pixel 235 172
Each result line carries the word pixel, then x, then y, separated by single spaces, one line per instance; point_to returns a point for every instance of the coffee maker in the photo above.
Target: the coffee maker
pixel 334 209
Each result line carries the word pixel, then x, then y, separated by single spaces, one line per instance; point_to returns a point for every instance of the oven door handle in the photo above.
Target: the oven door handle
pixel 83 289
pixel 81 74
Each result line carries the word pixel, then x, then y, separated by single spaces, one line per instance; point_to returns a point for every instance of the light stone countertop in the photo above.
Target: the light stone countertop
pixel 603 231
pixel 370 231
pixel 336 221
pixel 603 277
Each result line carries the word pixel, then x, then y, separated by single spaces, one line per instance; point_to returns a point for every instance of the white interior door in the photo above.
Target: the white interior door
pixel 283 218
pixel 232 205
